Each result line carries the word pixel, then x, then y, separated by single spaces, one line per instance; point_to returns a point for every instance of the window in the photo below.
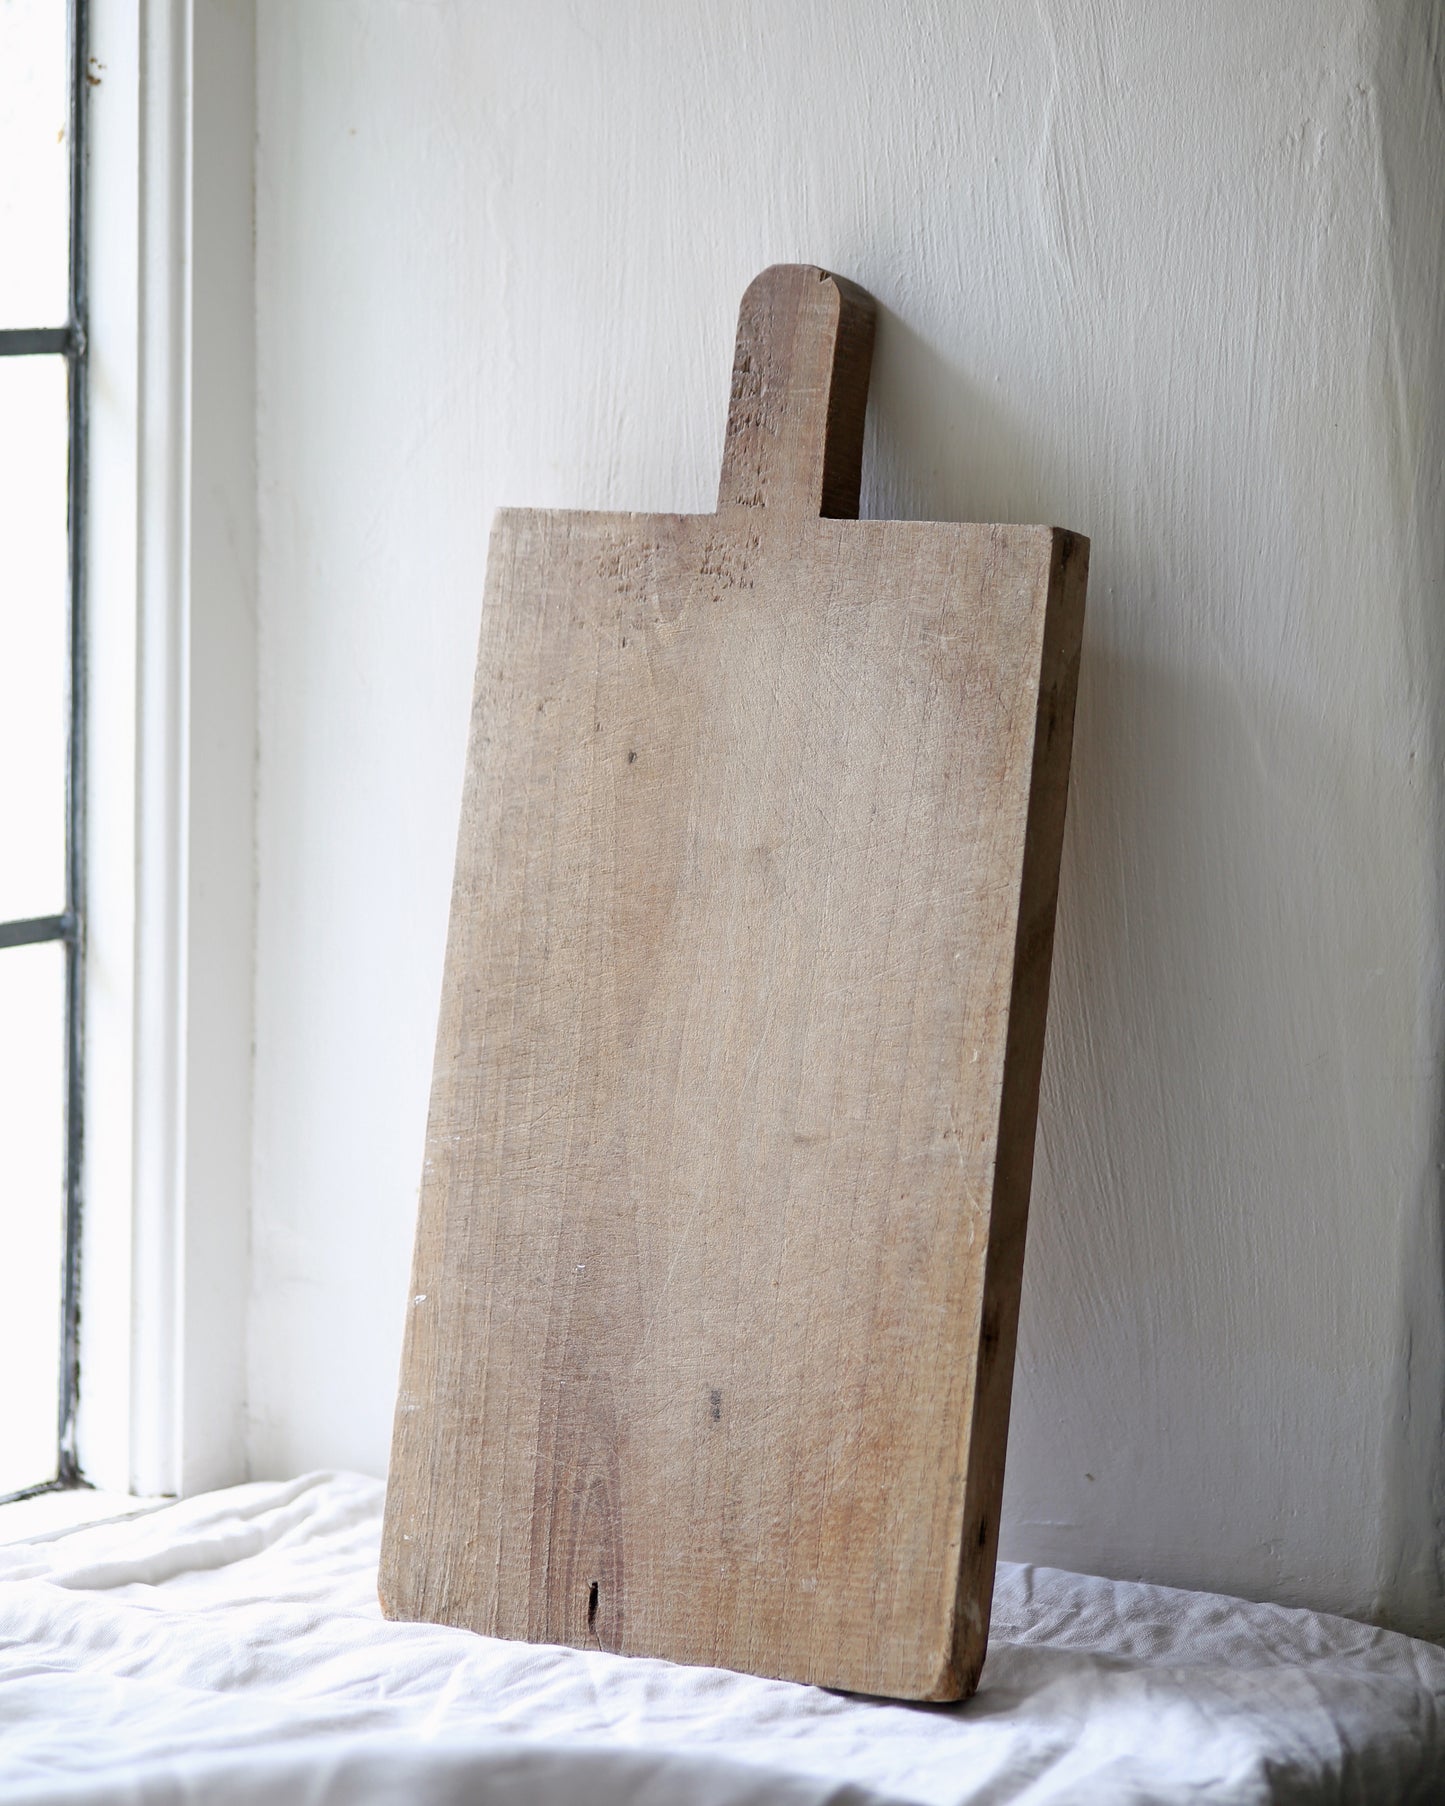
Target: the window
pixel 42 793
pixel 134 912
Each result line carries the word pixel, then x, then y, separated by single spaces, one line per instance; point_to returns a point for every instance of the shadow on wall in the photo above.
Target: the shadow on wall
pixel 940 446
pixel 1223 1143
pixel 1228 1129
pixel 1412 1579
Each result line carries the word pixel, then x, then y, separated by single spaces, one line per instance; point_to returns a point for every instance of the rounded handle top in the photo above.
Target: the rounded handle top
pixel 794 439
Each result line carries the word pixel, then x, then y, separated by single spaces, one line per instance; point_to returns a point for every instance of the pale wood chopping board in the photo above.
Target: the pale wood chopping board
pixel 711 1327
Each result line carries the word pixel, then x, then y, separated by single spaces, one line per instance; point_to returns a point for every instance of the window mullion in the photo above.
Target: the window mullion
pixel 67 1461
pixel 38 341
pixel 32 931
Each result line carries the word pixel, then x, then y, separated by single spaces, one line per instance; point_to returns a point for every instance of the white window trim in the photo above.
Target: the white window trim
pixel 170 921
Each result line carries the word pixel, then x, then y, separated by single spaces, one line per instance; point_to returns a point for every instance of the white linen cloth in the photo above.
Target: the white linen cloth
pixel 229 1649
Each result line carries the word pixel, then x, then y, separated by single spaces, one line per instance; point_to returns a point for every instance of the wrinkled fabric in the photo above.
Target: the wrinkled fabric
pixel 229 1649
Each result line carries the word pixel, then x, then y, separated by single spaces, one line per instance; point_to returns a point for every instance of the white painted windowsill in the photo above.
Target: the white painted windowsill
pixel 51 1514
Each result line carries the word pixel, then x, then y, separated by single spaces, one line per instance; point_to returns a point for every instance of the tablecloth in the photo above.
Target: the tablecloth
pixel 229 1649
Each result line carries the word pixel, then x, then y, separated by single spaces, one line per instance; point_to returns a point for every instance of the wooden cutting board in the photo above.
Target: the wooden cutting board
pixel 711 1327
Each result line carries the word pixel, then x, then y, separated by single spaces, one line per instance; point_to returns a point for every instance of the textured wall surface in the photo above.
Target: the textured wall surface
pixel 1169 275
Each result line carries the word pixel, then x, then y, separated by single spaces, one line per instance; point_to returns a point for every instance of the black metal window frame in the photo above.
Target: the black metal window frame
pixel 68 341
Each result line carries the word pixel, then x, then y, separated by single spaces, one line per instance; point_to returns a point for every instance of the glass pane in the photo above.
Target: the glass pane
pixel 33 635
pixel 34 163
pixel 32 1208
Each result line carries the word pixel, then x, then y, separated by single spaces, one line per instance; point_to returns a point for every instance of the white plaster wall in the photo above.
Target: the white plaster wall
pixel 1165 273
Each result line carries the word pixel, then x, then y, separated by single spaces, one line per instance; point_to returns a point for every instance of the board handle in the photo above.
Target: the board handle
pixel 794 441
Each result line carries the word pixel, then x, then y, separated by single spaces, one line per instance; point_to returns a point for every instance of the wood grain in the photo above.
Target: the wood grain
pixel 731 1131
